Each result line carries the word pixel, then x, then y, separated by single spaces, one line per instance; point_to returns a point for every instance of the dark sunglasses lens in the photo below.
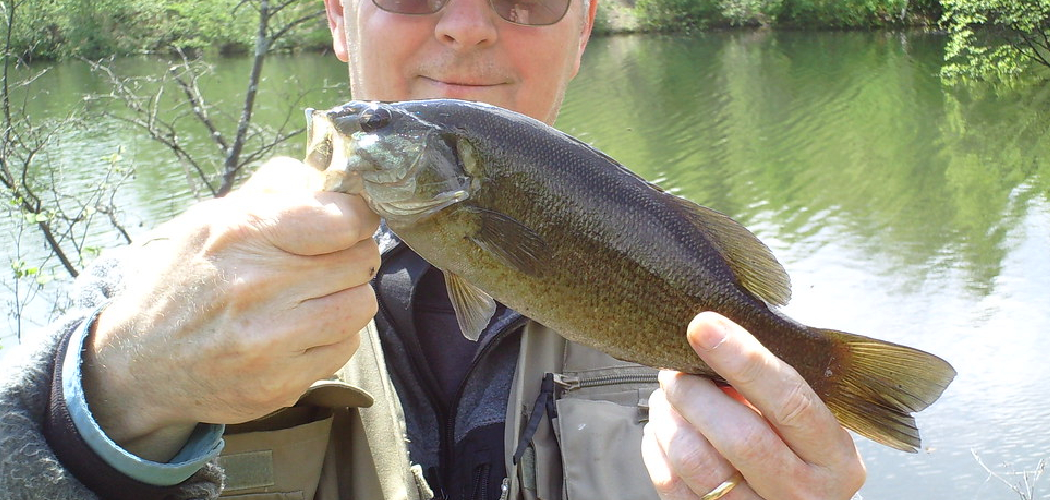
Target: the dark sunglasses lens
pixel 410 6
pixel 531 12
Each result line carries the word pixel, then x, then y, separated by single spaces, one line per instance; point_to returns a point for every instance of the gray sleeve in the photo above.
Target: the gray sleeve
pixel 29 466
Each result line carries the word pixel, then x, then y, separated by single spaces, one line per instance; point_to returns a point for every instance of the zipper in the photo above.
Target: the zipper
pixel 449 428
pixel 416 356
pixel 447 415
pixel 569 383
pixel 481 483
pixel 504 489
pixel 425 376
pixel 573 382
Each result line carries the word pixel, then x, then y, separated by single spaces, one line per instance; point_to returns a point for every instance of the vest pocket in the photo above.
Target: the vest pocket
pixel 278 459
pixel 601 414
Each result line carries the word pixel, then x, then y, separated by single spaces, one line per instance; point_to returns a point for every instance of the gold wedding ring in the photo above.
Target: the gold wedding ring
pixel 724 488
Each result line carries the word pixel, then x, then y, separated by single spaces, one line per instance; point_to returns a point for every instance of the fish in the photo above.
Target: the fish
pixel 515 211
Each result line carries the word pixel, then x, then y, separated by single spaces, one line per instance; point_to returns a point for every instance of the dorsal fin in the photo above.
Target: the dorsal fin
pixel 751 260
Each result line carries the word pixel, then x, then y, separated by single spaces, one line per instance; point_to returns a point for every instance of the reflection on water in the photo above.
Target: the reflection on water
pixel 901 209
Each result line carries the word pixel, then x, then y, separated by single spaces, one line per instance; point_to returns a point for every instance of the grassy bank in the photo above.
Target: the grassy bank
pixel 625 16
pixel 57 29
pixel 987 40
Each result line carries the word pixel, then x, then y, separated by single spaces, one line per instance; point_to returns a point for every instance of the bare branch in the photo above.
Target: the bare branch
pixel 147 118
pixel 244 145
pixel 282 6
pixel 196 101
pixel 288 27
pixel 232 164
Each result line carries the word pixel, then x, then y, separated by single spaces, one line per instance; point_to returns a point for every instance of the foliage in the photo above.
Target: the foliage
pixel 62 214
pixel 845 13
pixel 31 179
pixel 195 25
pixel 995 39
pixel 613 17
pixel 169 119
pixel 741 12
pixel 675 14
pixel 96 28
pixel 33 29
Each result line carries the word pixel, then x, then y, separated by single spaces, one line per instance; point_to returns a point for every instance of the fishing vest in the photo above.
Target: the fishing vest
pixel 573 432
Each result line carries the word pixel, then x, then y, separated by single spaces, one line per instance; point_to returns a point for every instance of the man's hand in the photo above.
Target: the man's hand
pixel 232 310
pixel 782 437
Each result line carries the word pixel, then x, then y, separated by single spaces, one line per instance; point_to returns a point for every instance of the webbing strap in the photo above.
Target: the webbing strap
pixel 545 401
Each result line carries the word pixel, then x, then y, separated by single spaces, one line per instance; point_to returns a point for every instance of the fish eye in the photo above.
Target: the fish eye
pixel 374 118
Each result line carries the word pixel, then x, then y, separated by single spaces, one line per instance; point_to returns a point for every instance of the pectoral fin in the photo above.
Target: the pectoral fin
pixel 474 307
pixel 512 242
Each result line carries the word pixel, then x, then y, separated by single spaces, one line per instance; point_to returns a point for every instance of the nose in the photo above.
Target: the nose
pixel 467 23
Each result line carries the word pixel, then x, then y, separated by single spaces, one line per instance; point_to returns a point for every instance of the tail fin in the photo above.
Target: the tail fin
pixel 878 384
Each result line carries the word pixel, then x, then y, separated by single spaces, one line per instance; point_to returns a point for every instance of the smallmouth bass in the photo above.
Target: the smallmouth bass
pixel 513 210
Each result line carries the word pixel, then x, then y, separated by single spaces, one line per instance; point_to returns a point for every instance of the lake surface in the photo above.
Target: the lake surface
pixel 901 208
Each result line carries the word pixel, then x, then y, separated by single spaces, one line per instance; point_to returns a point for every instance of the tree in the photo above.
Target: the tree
pixel 30 179
pixel 245 144
pixel 995 39
pixel 61 216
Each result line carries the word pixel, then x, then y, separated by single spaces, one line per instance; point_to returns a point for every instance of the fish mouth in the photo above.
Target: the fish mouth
pixel 400 167
pixel 393 196
pixel 410 208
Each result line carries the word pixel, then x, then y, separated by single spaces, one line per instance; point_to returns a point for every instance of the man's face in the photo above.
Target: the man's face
pixel 464 51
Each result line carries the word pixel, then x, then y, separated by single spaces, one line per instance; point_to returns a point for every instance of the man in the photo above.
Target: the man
pixel 233 309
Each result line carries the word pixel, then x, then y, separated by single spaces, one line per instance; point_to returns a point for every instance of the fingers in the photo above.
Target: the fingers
pixel 682 463
pixel 781 437
pixel 336 316
pixel 239 304
pixel 299 223
pixel 774 387
pixel 329 359
pixel 283 174
pixel 289 282
pixel 326 223
pixel 299 245
pixel 282 200
pixel 737 432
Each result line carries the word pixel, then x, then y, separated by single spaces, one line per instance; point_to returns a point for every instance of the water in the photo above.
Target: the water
pixel 901 209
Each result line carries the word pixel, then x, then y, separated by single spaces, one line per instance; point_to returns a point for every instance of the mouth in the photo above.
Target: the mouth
pixel 461 82
pixel 455 87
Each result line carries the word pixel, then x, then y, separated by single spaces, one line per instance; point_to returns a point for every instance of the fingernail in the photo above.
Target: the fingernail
pixel 708 331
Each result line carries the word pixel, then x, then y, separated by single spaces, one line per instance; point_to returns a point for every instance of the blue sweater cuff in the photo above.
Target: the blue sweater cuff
pixel 204 444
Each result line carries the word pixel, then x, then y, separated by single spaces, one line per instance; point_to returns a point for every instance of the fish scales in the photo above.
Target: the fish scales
pixel 564 189
pixel 513 210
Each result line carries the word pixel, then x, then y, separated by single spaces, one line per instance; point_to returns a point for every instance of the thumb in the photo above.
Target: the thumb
pixel 283 174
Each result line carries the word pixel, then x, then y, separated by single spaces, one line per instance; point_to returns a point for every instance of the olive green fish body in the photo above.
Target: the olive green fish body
pixel 513 210
pixel 627 284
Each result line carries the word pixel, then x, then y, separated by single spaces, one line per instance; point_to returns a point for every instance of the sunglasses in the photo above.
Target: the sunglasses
pixel 524 12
